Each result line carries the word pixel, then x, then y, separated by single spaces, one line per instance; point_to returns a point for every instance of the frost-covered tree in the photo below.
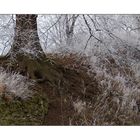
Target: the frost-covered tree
pixel 26 55
pixel 26 36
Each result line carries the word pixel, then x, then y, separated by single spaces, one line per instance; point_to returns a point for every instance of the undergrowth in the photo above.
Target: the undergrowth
pixel 117 77
pixel 97 89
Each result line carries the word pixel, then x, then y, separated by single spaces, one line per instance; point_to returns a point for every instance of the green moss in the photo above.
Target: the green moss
pixel 29 112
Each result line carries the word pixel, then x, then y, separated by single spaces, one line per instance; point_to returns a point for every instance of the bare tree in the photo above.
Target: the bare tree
pixel 90 30
pixel 70 23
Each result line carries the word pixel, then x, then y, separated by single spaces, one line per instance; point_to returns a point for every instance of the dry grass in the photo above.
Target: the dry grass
pixel 101 89
pixel 117 76
pixel 14 85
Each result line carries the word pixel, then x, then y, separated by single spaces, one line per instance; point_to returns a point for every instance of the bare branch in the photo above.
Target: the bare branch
pixel 90 30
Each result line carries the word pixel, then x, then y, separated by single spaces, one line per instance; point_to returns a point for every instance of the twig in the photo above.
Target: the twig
pixel 90 30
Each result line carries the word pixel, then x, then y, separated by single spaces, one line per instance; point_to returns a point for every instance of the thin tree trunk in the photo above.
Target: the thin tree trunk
pixel 70 28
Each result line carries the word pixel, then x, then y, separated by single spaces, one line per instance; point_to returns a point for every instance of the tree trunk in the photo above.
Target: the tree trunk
pixel 29 58
pixel 26 38
pixel 25 48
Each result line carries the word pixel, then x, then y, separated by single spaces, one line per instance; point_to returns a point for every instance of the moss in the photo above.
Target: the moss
pixel 28 112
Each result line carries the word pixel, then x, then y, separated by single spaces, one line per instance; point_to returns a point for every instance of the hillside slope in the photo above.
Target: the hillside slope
pixel 68 95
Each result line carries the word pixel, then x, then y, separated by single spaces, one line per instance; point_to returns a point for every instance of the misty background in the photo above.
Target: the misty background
pixel 109 32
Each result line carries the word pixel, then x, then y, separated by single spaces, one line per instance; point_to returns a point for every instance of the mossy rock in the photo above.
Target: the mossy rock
pixel 28 112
